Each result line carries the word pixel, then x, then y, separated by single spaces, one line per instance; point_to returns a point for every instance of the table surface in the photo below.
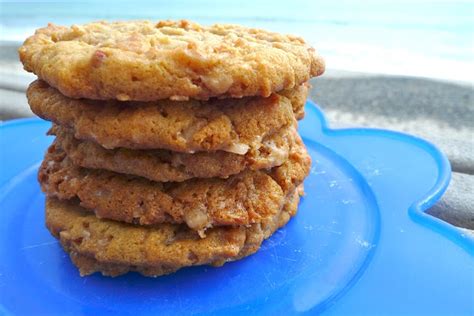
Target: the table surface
pixel 440 112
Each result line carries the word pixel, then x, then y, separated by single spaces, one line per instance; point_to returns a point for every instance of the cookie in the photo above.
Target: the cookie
pixel 243 199
pixel 147 61
pixel 164 165
pixel 232 125
pixel 297 98
pixel 114 248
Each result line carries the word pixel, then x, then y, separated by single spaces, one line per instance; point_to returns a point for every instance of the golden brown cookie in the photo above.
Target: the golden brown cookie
pixel 114 248
pixel 297 98
pixel 147 61
pixel 243 199
pixel 164 165
pixel 232 125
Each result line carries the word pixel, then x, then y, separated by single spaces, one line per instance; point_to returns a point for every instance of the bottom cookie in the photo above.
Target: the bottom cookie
pixel 115 248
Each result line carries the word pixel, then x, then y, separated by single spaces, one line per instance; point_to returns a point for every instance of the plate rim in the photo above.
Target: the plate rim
pixel 417 210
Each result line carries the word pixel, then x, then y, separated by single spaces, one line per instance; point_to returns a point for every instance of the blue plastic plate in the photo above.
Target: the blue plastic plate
pixel 361 243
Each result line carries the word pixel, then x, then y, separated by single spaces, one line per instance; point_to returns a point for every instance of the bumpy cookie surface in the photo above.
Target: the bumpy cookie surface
pixel 243 199
pixel 164 165
pixel 114 248
pixel 232 125
pixel 146 61
pixel 297 98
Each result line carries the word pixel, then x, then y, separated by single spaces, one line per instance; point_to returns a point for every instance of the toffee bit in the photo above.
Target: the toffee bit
pixel 98 58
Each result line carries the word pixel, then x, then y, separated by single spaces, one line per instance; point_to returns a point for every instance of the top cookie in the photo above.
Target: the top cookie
pixel 146 61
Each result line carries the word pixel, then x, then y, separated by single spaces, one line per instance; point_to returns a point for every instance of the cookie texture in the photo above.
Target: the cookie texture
pixel 114 248
pixel 164 165
pixel 146 61
pixel 243 199
pixel 297 98
pixel 189 126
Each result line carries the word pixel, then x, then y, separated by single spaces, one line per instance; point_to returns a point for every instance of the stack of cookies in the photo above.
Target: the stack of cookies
pixel 176 144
